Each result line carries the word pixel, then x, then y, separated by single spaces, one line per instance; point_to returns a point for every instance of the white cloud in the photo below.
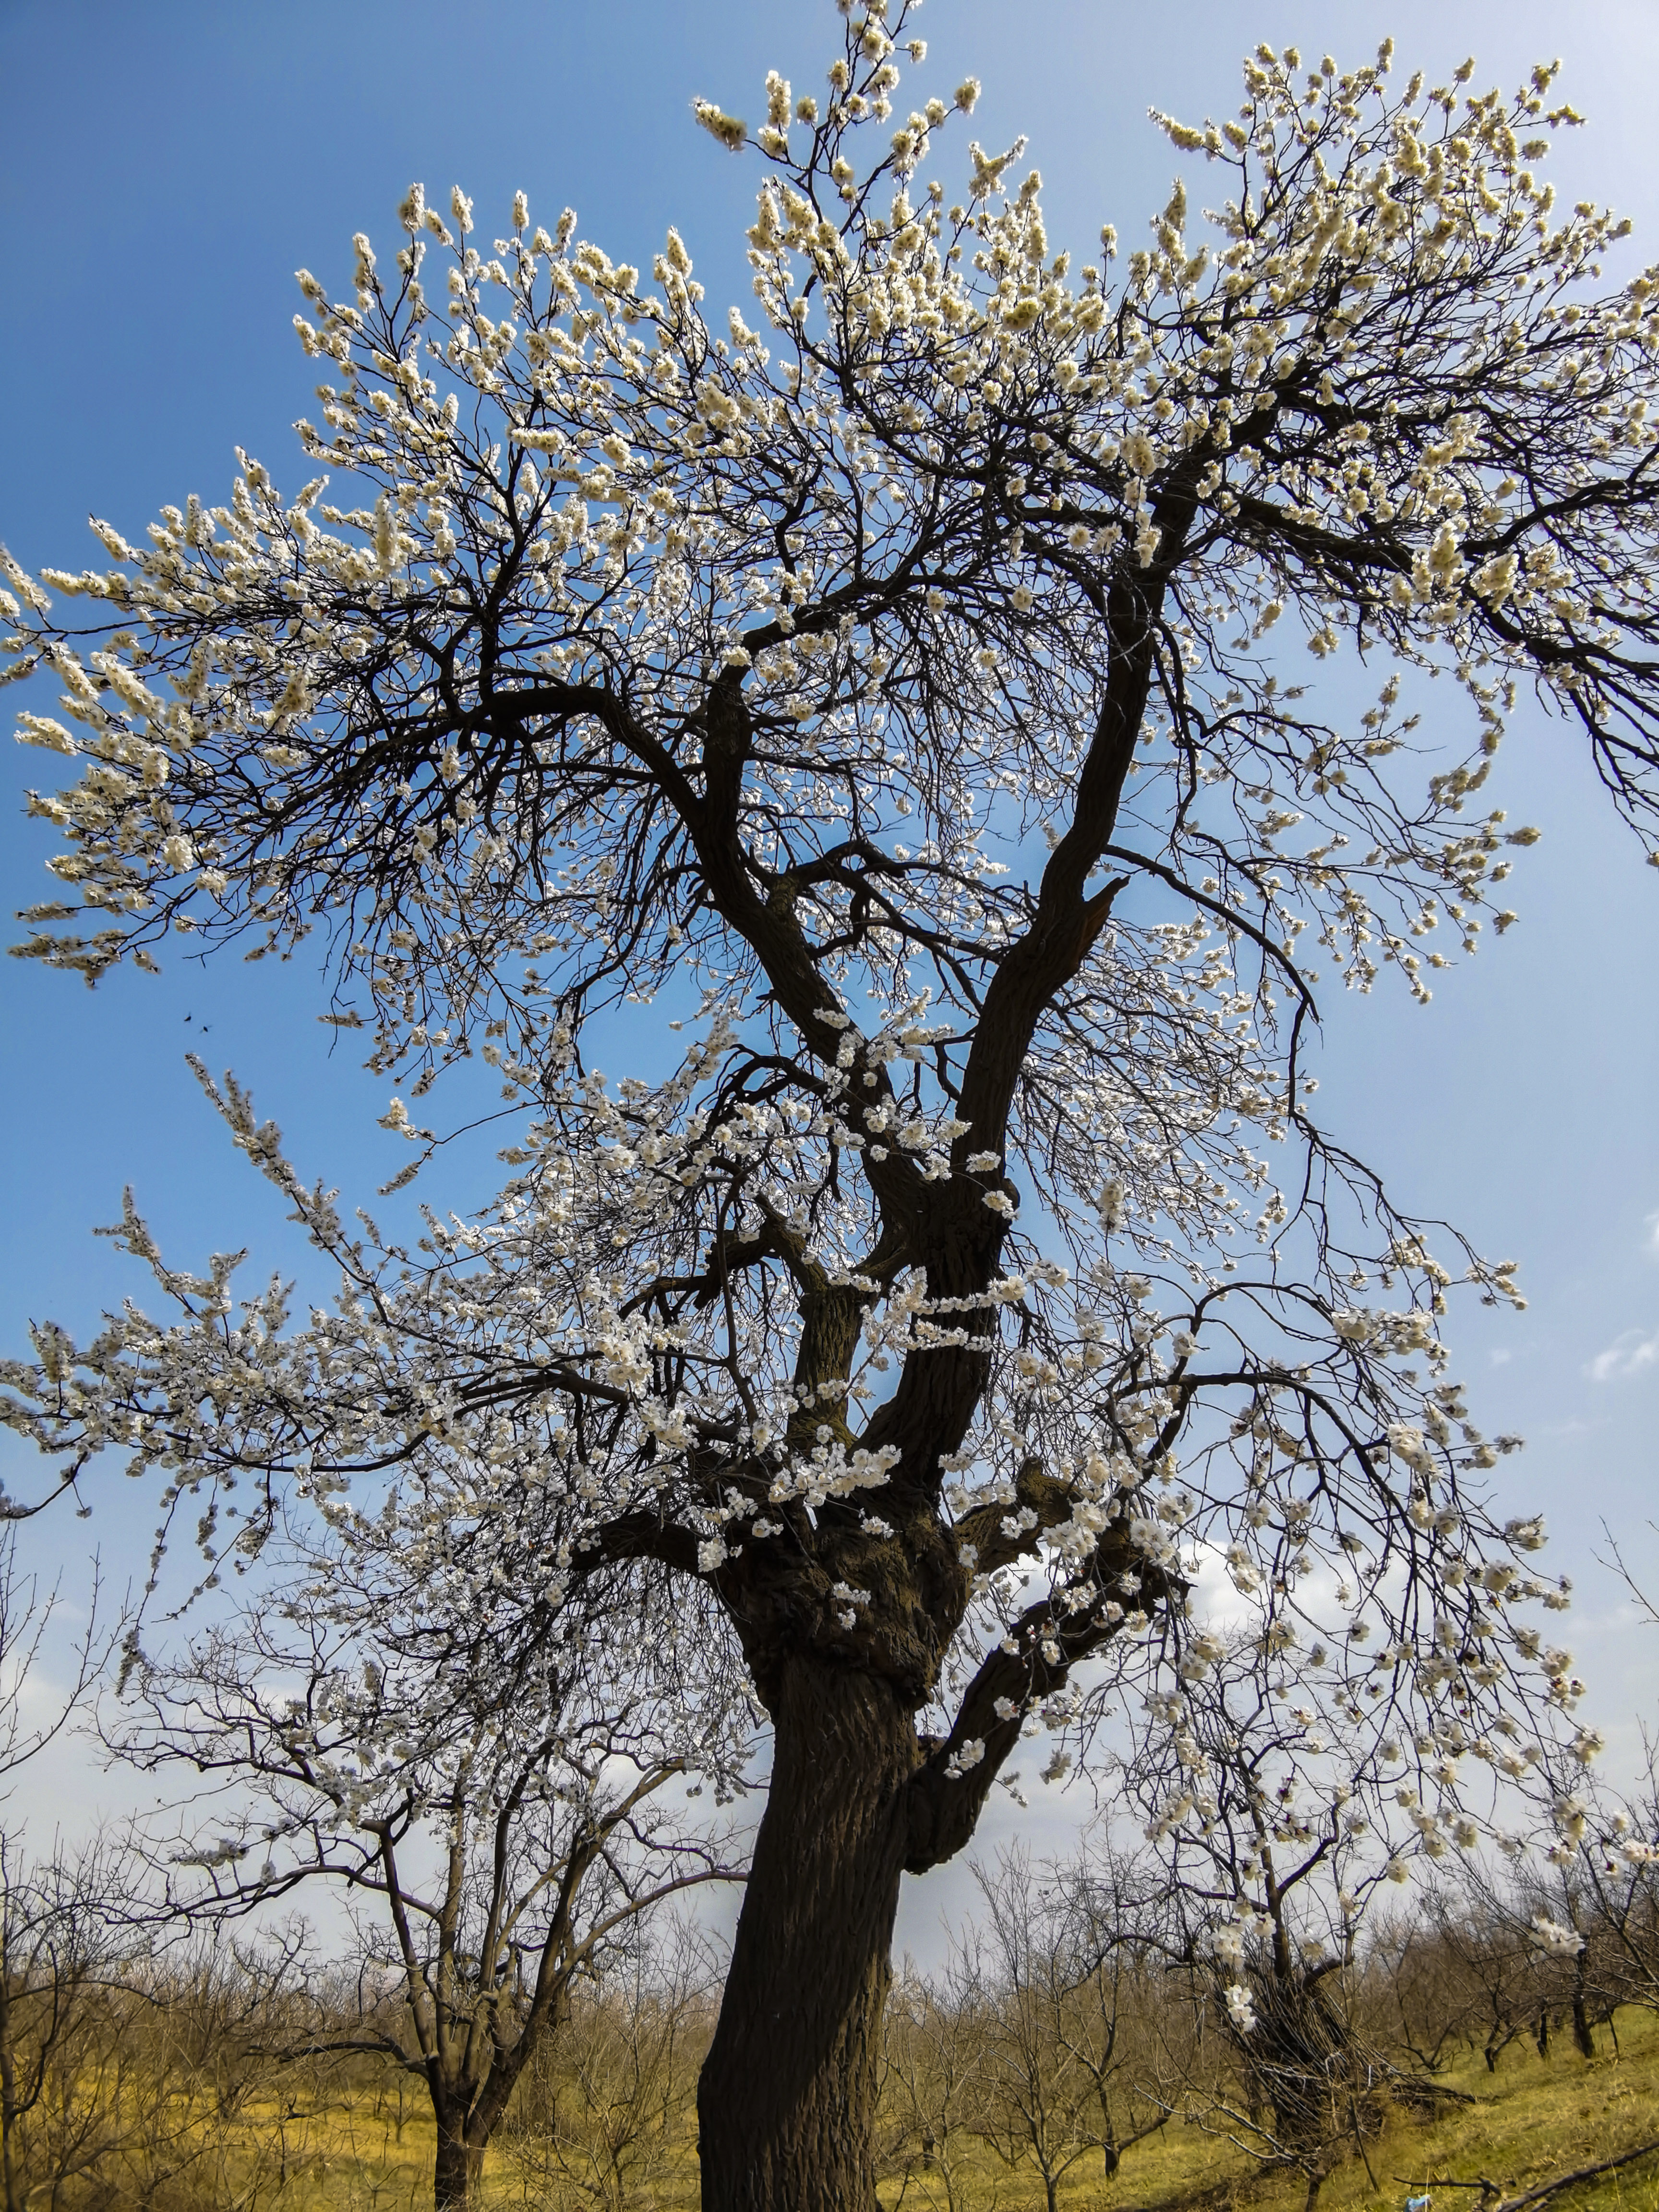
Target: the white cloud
pixel 1652 1225
pixel 1217 1602
pixel 1629 1354
pixel 1501 1357
pixel 1216 1598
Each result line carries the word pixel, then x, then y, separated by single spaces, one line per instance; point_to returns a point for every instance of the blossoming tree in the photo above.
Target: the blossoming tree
pixel 488 1771
pixel 885 691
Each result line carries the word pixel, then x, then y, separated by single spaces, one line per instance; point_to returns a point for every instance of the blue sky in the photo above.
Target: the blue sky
pixel 164 171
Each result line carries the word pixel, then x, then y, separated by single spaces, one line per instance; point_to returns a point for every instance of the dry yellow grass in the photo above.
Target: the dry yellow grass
pixel 1531 2120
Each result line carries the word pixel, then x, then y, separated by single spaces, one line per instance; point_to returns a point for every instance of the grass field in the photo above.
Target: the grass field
pixel 1531 2120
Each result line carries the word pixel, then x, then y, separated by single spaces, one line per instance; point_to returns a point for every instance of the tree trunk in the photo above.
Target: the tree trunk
pixel 456 2171
pixel 17 2194
pixel 787 2102
pixel 1581 2026
pixel 1110 2153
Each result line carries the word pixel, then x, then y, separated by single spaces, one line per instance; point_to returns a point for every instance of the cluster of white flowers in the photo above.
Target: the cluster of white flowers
pixel 1551 1937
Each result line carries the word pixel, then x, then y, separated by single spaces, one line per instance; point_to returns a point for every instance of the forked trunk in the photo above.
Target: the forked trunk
pixel 456 2172
pixel 786 2106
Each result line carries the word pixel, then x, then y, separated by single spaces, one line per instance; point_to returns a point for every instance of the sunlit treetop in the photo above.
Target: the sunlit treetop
pixel 467 718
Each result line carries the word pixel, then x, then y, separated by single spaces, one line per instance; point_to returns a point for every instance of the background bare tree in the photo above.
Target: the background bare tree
pixel 933 2086
pixel 1062 1961
pixel 604 2116
pixel 1110 1910
pixel 61 1908
pixel 493 1797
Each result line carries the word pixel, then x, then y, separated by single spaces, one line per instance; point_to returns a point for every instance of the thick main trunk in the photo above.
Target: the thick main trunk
pixel 457 2170
pixel 786 2106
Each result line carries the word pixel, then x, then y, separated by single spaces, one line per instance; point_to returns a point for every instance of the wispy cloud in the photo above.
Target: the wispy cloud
pixel 1626 1356
pixel 1653 1234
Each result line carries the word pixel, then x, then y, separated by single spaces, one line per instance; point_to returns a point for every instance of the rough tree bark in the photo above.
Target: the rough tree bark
pixel 786 2101
pixel 457 2169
